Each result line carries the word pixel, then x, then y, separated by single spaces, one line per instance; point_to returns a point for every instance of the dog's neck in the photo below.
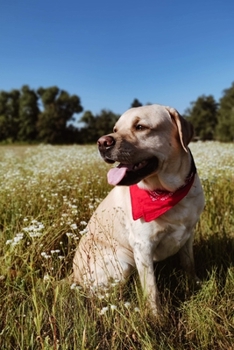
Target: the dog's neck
pixel 168 180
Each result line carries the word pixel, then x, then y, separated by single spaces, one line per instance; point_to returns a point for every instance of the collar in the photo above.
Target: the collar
pixel 149 205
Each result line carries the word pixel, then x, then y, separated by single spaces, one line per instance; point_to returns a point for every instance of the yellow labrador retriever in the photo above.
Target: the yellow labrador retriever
pixel 151 212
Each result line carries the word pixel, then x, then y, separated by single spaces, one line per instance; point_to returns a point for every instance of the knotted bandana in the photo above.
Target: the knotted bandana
pixel 149 205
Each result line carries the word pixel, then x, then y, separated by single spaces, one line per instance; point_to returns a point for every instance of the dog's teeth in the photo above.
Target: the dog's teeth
pixel 137 166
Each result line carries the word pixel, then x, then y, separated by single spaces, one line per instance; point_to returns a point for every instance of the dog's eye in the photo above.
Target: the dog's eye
pixel 114 130
pixel 140 127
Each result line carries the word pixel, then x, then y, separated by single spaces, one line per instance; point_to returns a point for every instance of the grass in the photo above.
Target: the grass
pixel 47 195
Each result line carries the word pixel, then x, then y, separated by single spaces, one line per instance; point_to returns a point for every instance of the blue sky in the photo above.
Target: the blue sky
pixel 110 52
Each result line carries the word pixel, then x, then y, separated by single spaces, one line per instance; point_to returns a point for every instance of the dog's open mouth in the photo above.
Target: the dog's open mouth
pixel 129 174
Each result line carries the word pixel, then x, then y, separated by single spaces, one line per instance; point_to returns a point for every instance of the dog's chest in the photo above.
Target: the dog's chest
pixel 163 240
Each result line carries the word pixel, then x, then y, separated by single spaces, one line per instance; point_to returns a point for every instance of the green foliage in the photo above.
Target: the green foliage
pixel 4 124
pixel 21 119
pixel 28 114
pixel 136 103
pixel 47 115
pixel 9 115
pixel 96 126
pixel 203 116
pixel 58 109
pixel 225 127
pixel 212 120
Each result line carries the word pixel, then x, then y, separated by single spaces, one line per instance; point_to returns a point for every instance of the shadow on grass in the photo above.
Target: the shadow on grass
pixel 213 255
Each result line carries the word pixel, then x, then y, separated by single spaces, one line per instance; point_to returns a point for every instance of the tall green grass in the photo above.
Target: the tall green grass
pixel 47 196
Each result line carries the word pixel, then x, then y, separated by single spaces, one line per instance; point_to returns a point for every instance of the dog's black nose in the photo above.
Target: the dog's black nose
pixel 106 142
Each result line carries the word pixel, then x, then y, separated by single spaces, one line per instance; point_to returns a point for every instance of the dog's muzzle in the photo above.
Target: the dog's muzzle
pixel 125 174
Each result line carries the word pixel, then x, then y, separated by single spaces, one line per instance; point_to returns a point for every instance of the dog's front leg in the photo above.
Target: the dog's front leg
pixel 144 262
pixel 187 260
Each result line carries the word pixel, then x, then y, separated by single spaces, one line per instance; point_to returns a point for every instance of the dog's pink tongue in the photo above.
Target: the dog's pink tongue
pixel 115 175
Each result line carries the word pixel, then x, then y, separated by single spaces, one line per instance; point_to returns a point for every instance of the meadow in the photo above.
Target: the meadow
pixel 47 195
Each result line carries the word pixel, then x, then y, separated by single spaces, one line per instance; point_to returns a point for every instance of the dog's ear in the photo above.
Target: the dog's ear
pixel 184 127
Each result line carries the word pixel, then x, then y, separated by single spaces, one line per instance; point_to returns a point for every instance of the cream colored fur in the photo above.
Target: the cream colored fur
pixel 115 244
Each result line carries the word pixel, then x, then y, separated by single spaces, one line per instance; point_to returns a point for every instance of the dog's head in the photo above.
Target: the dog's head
pixel 143 140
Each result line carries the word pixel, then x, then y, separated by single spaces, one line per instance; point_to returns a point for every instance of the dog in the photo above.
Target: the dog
pixel 151 212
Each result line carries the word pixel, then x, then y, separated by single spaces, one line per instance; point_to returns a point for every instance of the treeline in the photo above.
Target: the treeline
pixel 27 115
pixel 47 115
pixel 213 120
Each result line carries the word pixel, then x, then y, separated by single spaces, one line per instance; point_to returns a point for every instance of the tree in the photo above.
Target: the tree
pixel 96 126
pixel 105 122
pixel 28 114
pixel 225 127
pixel 58 109
pixel 4 125
pixel 88 131
pixel 203 116
pixel 9 115
pixel 136 103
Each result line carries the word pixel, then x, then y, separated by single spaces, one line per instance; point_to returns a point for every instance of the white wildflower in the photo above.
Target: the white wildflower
pixel 69 234
pixel 104 310
pixel 35 234
pixel 73 286
pixel 9 241
pixel 55 251
pixel 100 296
pixel 127 304
pixel 34 229
pixel 73 226
pixel 18 237
pixel 82 232
pixel 84 223
pixel 45 255
pixel 46 277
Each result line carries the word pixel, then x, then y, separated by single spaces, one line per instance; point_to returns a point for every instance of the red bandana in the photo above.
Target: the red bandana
pixel 149 205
